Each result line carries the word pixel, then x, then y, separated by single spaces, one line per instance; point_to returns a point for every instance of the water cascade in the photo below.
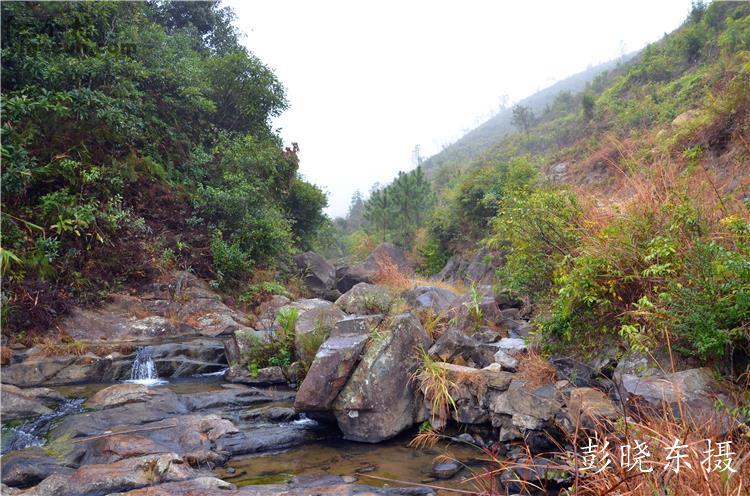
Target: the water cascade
pixel 144 369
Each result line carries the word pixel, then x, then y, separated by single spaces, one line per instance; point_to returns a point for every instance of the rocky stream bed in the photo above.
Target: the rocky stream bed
pixel 161 400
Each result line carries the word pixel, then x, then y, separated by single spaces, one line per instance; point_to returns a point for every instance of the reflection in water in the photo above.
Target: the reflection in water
pixel 392 459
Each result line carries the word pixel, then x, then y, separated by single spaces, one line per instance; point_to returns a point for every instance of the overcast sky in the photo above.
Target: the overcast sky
pixel 366 82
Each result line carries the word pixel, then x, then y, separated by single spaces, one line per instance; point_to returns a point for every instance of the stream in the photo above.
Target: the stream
pixel 332 455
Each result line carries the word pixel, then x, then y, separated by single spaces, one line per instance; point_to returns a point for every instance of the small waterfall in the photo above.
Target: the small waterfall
pixel 32 432
pixel 144 369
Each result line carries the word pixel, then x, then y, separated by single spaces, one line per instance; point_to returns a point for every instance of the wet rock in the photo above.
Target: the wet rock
pixel 234 396
pixel 101 479
pixel 366 298
pixel 271 414
pixel 16 403
pixel 186 358
pixel 330 370
pixel 119 394
pixel 358 324
pixel 270 438
pixel 379 399
pixel 200 486
pixel 317 273
pixel 38 370
pixel 430 298
pixel 367 271
pixel 192 436
pixel 330 485
pixel 27 467
pixel 445 470
pixel 266 376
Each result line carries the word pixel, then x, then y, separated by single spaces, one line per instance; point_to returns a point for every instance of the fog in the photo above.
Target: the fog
pixel 366 82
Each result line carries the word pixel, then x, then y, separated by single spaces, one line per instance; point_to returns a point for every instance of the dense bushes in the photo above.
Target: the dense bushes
pixel 137 136
pixel 674 260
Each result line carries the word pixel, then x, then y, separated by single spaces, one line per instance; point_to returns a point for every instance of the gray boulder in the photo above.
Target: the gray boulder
pixel 330 370
pixel 692 393
pixel 364 299
pixel 318 274
pixel 430 298
pixel 379 400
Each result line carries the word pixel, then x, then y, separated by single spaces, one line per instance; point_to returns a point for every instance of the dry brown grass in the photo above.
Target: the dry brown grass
pixel 5 355
pixel 60 346
pixel 535 370
pixel 657 432
pixel 392 276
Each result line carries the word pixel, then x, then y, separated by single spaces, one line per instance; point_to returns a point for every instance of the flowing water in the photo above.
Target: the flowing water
pixel 32 432
pixel 144 369
pixel 369 463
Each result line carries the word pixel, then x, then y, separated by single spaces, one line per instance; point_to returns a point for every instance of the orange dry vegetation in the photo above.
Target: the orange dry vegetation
pixel 392 276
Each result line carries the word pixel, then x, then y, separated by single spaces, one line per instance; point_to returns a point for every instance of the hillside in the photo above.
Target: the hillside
pixel 621 210
pixel 479 140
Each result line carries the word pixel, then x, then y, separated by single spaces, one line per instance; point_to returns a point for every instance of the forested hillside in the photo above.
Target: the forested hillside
pixel 137 139
pixel 622 209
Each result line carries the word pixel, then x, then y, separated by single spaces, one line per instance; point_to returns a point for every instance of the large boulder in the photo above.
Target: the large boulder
pixel 587 407
pixel 318 274
pixel 692 393
pixel 379 400
pixel 479 268
pixel 367 271
pixel 528 408
pixel 329 372
pixel 365 298
pixel 430 298
pixel 454 344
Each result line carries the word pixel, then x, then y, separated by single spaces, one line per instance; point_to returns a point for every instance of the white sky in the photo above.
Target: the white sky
pixel 368 81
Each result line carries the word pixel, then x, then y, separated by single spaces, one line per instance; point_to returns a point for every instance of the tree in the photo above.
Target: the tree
pixel 523 118
pixel 356 214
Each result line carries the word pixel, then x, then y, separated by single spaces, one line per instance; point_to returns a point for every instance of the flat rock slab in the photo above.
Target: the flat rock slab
pixel 27 467
pixel 101 479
